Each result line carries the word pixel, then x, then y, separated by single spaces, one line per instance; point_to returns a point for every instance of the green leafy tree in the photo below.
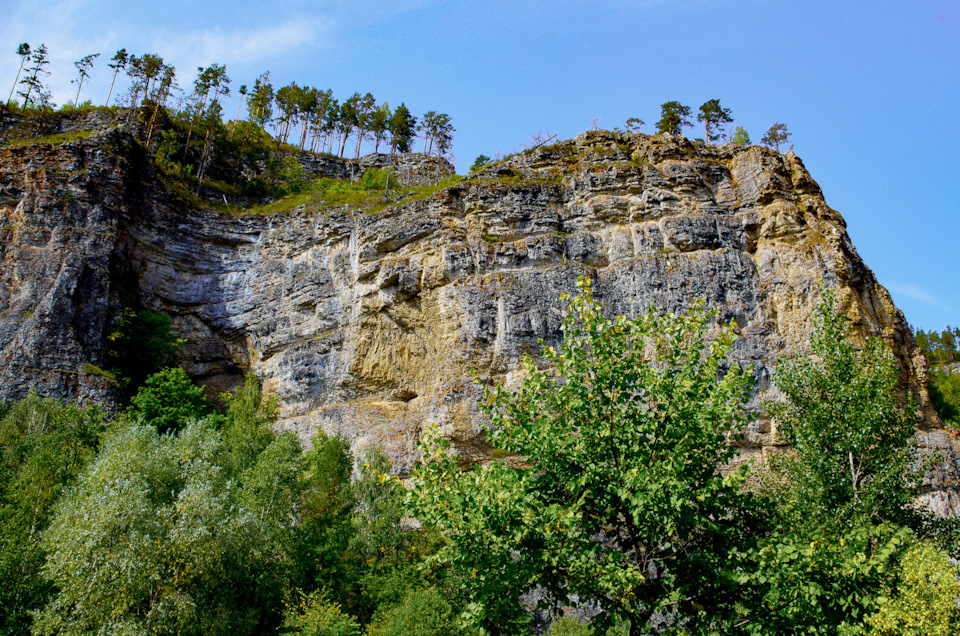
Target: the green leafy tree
pixel 741 137
pixel 713 117
pixel 423 613
pixel 613 495
pixel 140 344
pixel 174 534
pixel 316 616
pixel 854 457
pixel 118 63
pixel 168 400
pixel 24 52
pixel 84 64
pixel 843 498
pixel 674 117
pixel 44 445
pixel 775 135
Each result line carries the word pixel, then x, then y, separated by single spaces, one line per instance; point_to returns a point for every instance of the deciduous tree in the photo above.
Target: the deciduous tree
pixel 610 493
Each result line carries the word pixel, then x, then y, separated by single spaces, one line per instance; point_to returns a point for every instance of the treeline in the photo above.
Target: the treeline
pixel 674 117
pixel 314 118
pixel 608 495
pixel 941 351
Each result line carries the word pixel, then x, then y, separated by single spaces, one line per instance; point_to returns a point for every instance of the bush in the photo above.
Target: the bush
pixel 924 602
pixel 423 613
pixel 168 400
pixel 316 616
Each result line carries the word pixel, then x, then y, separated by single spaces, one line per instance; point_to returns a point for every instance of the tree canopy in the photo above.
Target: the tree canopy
pixel 612 495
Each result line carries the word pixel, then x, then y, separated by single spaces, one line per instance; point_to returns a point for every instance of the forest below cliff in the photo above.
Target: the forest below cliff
pixel 604 511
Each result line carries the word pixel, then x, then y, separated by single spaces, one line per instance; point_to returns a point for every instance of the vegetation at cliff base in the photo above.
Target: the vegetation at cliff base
pixel 609 495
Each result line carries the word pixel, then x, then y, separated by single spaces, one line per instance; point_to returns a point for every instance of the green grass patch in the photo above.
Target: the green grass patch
pixel 58 138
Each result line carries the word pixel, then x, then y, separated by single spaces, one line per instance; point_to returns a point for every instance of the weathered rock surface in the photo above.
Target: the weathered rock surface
pixel 372 324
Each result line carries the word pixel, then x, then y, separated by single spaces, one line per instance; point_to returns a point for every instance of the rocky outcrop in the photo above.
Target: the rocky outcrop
pixel 373 323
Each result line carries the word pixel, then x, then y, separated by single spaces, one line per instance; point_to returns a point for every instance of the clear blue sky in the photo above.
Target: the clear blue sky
pixel 869 90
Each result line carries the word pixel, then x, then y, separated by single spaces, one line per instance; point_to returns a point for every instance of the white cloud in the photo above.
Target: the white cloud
pixel 912 291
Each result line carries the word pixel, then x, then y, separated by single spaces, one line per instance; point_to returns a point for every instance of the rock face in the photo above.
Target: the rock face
pixel 372 324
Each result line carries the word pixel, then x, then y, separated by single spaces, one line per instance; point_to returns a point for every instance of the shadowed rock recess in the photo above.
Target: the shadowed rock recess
pixel 372 323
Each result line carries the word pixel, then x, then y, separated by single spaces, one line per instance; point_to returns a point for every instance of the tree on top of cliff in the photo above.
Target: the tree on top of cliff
pixel 34 90
pixel 261 98
pixel 24 52
pixel 775 135
pixel 437 132
pixel 674 117
pixel 84 64
pixel 713 117
pixel 402 128
pixel 119 63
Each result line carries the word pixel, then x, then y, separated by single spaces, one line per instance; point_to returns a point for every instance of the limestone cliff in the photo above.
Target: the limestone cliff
pixel 372 323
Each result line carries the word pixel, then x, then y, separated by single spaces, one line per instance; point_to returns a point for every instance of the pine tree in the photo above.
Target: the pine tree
pixel 120 61
pixel 34 91
pixel 674 117
pixel 24 52
pixel 402 126
pixel 713 116
pixel 776 135
pixel 84 64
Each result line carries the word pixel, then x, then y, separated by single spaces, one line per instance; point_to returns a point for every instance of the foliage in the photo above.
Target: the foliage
pixel 316 616
pixel 843 495
pixel 633 124
pixel 173 533
pixel 480 162
pixel 945 395
pixel 924 602
pixel 741 137
pixel 169 399
pixel 43 446
pixel 379 180
pixel 140 344
pixel 674 117
pixel 423 613
pixel 613 496
pixel 713 117
pixel 775 135
pixel 854 459
pixel 940 347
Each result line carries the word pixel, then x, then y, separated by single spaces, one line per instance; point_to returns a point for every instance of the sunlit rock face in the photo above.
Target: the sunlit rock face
pixel 375 324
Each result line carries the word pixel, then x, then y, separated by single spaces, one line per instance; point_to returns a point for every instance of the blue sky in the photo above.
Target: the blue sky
pixel 869 90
